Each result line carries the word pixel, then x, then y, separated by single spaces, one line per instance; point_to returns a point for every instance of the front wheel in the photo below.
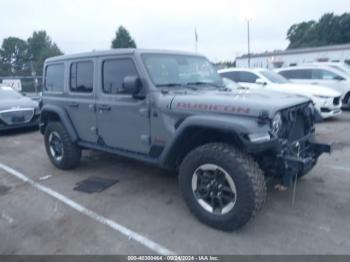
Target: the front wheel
pixel 222 186
pixel 62 152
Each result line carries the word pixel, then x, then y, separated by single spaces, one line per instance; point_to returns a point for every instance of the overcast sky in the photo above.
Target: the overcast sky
pixel 84 25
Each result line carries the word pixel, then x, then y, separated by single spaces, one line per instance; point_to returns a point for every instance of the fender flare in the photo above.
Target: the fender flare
pixel 64 118
pixel 216 123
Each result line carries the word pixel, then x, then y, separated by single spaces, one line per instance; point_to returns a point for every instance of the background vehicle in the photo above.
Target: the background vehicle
pixel 320 75
pixel 17 110
pixel 327 101
pixel 172 110
pixel 341 66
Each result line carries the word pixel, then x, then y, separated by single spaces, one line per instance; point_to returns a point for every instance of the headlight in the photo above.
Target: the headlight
pixel 276 124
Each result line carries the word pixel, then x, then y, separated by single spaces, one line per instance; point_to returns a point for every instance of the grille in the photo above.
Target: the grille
pixel 297 122
pixel 336 101
pixel 17 116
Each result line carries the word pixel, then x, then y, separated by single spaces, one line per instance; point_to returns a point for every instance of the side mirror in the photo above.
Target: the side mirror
pixel 259 81
pixel 131 85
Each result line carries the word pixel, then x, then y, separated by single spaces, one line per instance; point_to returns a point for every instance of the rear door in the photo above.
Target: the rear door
pixel 123 121
pixel 80 104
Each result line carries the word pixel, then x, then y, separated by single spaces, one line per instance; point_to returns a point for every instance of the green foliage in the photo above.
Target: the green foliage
pixel 330 29
pixel 19 57
pixel 13 56
pixel 40 47
pixel 123 39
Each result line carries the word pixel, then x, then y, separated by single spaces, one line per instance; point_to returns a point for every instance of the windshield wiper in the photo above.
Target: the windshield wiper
pixel 199 83
pixel 176 85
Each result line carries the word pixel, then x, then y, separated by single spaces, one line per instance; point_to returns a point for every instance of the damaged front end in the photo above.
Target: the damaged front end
pixel 297 150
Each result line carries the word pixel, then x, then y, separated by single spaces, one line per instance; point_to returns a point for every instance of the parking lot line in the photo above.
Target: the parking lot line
pixel 342 168
pixel 157 248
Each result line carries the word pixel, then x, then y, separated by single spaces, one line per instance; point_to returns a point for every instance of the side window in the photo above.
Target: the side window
pixel 54 78
pixel 247 77
pixel 231 75
pixel 81 77
pixel 322 74
pixel 296 74
pixel 113 73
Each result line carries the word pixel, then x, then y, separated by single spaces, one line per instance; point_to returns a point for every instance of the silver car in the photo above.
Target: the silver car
pixel 17 110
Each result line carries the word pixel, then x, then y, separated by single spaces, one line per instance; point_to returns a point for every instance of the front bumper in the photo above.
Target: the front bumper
pixel 302 162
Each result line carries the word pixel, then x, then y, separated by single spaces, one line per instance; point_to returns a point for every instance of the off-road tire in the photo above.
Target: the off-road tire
pixel 72 152
pixel 246 174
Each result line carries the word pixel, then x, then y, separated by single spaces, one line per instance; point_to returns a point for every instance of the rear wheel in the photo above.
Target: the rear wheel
pixel 62 152
pixel 222 186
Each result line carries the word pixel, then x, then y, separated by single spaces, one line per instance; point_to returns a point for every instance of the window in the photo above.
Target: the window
pixel 296 74
pixel 231 75
pixel 54 78
pixel 324 75
pixel 247 77
pixel 114 72
pixel 81 77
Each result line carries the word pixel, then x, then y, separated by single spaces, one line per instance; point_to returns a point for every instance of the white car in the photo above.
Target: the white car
pixel 326 100
pixel 341 66
pixel 320 75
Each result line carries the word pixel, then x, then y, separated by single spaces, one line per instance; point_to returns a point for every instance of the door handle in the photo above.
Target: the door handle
pixel 74 105
pixel 104 108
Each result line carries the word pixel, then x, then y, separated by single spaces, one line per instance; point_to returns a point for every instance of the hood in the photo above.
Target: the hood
pixel 23 102
pixel 307 90
pixel 241 102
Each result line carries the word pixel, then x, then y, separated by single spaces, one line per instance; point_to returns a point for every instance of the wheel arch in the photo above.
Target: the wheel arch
pixel 55 113
pixel 199 131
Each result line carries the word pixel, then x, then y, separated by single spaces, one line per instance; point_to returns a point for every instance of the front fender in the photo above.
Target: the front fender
pixel 63 117
pixel 238 126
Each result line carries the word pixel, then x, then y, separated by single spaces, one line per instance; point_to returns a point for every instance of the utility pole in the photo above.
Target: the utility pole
pixel 248 30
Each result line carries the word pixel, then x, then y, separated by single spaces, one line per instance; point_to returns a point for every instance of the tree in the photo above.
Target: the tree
pixel 13 56
pixel 41 47
pixel 123 39
pixel 330 29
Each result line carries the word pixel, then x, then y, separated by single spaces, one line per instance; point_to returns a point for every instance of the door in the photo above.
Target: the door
pixel 123 121
pixel 328 78
pixel 80 104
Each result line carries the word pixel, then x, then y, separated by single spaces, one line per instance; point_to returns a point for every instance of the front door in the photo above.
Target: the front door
pixel 80 103
pixel 123 121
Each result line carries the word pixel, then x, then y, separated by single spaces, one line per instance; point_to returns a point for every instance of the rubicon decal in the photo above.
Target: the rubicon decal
pixel 213 108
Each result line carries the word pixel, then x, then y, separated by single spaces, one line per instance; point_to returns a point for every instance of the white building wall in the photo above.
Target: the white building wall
pixel 292 59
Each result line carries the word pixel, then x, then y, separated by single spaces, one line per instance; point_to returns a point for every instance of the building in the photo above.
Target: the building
pixel 292 57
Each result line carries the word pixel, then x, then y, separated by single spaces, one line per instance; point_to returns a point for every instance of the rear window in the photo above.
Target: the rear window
pixel 231 75
pixel 54 78
pixel 81 77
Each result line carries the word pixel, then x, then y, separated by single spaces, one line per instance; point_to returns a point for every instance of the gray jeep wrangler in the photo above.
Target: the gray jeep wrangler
pixel 171 109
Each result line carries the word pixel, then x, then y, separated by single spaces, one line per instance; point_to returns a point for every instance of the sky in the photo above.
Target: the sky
pixel 86 25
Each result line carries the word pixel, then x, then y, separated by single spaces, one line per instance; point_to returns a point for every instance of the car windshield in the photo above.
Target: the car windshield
pixel 344 69
pixel 274 77
pixel 167 70
pixel 8 93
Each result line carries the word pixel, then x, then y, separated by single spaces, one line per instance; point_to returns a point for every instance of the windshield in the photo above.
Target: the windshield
pixel 181 70
pixel 274 77
pixel 8 93
pixel 344 69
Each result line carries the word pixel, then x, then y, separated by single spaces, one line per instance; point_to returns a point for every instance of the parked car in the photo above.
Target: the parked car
pixel 172 110
pixel 327 101
pixel 341 66
pixel 320 75
pixel 17 110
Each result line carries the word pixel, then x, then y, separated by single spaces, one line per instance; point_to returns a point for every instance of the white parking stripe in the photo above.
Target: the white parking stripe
pixel 342 168
pixel 108 222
